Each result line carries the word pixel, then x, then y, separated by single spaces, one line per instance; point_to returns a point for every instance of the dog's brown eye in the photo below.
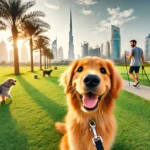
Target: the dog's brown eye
pixel 80 69
pixel 102 70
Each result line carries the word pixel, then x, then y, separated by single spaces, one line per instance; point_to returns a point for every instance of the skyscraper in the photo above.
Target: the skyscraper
pixel 147 47
pixel 3 51
pixel 71 46
pixel 102 49
pixel 24 54
pixel 54 49
pixel 85 49
pixel 11 55
pixel 60 54
pixel 94 51
pixel 115 43
pixel 106 50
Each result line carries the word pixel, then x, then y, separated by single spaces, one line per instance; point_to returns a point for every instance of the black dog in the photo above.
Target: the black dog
pixel 48 72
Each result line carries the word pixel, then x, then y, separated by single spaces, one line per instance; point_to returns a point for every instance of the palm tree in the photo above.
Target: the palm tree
pixel 12 14
pixel 39 43
pixel 32 29
pixel 48 55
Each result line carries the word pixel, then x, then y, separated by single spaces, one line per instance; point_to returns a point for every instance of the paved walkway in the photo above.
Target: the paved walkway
pixel 142 91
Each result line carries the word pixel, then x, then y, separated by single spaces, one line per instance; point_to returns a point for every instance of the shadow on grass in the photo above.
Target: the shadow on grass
pixel 53 109
pixel 9 134
pixel 12 74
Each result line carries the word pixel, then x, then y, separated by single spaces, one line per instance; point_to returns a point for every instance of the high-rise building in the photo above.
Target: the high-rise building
pixel 24 54
pixel 115 43
pixel 54 49
pixel 3 51
pixel 11 55
pixel 106 49
pixel 79 56
pixel 102 45
pixel 37 58
pixel 85 49
pixel 94 52
pixel 60 54
pixel 147 47
pixel 71 46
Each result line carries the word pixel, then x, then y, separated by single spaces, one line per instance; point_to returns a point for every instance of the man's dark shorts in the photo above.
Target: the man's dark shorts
pixel 134 68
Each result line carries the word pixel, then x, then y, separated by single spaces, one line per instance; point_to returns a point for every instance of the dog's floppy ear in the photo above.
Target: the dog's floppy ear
pixel 66 77
pixel 116 80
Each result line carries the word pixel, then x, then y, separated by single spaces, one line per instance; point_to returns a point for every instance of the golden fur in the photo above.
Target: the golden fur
pixel 76 130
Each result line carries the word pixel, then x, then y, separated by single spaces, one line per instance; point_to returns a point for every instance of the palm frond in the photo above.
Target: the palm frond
pixel 3 26
pixel 41 23
pixel 24 7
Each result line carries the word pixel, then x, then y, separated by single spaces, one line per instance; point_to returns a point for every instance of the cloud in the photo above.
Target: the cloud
pixel 116 16
pixel 87 12
pixel 51 6
pixel 86 2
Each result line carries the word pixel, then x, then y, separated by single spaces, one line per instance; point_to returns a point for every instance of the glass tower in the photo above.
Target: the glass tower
pixel 147 47
pixel 115 43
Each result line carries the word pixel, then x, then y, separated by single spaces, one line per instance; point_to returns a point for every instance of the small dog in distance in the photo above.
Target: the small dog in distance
pixel 48 72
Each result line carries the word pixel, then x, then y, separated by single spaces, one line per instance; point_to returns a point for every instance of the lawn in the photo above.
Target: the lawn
pixel 27 123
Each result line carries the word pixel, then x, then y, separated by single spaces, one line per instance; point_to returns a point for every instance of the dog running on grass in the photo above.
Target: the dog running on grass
pixel 48 72
pixel 5 88
pixel 91 85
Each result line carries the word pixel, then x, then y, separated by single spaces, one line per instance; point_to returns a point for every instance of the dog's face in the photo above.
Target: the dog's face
pixel 91 79
pixel 10 81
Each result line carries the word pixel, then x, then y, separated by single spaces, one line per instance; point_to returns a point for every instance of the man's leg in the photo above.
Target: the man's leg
pixel 131 74
pixel 133 77
pixel 137 76
pixel 137 72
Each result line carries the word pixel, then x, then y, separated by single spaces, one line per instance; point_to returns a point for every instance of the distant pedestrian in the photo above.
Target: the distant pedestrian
pixel 137 59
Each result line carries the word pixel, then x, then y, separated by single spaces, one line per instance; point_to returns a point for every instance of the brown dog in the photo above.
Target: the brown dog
pixel 91 85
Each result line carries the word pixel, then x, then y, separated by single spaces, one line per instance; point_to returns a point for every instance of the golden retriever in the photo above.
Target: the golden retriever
pixel 91 85
pixel 5 88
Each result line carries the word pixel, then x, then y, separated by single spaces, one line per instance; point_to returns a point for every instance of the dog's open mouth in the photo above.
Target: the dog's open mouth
pixel 90 101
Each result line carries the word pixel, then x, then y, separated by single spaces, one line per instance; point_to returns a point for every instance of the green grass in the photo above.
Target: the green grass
pixel 27 123
pixel 142 78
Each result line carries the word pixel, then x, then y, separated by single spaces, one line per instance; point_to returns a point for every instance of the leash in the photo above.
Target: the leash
pixel 97 140
pixel 145 74
pixel 127 69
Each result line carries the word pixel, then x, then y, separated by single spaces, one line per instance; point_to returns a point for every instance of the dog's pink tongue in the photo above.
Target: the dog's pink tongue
pixel 90 101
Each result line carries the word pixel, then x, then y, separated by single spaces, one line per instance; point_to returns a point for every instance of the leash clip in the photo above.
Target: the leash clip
pixel 93 128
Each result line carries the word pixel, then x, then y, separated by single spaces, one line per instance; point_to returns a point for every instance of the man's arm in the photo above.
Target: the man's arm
pixel 142 60
pixel 128 56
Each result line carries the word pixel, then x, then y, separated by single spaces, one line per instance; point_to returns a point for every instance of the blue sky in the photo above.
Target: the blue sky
pixel 92 20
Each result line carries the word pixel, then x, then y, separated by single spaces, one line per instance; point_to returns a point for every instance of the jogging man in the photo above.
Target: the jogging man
pixel 137 59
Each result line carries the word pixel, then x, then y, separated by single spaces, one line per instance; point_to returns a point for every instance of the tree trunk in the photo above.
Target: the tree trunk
pixel 50 62
pixel 31 55
pixel 40 59
pixel 45 61
pixel 15 46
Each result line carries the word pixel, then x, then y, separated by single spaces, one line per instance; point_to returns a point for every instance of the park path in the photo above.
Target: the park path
pixel 142 91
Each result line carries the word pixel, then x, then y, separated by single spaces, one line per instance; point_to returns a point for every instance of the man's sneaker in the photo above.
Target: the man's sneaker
pixel 137 84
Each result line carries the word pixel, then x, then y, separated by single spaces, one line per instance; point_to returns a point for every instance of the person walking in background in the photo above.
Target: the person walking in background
pixel 137 59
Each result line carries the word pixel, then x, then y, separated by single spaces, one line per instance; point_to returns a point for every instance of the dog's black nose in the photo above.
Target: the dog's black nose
pixel 91 80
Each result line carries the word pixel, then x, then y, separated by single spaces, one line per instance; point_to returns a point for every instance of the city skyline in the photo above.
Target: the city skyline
pixel 92 20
